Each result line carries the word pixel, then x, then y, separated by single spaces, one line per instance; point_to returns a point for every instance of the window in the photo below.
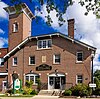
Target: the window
pixel 79 79
pixel 32 77
pixel 31 60
pixel 43 44
pixel 57 59
pixel 1 62
pixel 14 61
pixel 79 56
pixel 15 27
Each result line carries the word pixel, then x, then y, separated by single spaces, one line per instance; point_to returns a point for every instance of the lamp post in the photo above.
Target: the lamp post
pixel 92 57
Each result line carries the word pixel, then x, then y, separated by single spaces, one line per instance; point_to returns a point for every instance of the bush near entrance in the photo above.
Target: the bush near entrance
pixel 26 90
pixel 78 90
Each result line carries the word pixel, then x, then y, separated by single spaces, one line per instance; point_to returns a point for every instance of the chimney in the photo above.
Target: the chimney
pixel 71 28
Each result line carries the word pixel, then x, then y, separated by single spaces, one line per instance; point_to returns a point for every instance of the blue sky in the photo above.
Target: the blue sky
pixel 87 28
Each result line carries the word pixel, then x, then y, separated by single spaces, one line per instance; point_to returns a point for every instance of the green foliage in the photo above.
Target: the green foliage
pixel 28 88
pixel 39 84
pixel 97 74
pixel 52 5
pixel 97 82
pixel 34 92
pixel 67 92
pixel 81 90
pixel 10 91
pixel 27 91
pixel 91 5
pixel 29 84
pixel 96 91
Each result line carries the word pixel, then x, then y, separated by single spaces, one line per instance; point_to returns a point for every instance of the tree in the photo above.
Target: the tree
pixel 60 6
pixel 97 78
pixel 97 74
pixel 91 5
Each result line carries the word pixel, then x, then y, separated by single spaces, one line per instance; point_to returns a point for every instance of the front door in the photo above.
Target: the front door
pixel 57 82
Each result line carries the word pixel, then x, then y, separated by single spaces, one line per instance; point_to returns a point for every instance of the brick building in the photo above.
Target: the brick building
pixel 60 61
pixel 3 69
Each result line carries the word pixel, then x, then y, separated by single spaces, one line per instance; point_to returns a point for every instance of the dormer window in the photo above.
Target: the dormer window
pixel 15 27
pixel 44 44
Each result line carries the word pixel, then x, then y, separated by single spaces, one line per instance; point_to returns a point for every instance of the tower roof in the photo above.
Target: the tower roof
pixel 20 8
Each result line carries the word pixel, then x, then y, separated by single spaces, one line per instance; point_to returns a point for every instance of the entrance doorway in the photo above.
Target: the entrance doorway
pixel 56 82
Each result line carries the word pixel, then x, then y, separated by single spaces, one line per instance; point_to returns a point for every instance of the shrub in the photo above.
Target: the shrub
pixel 34 92
pixel 29 84
pixel 96 91
pixel 10 91
pixel 81 90
pixel 27 91
pixel 67 92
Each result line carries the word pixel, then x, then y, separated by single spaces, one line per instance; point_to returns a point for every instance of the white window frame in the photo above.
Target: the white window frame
pixel 47 47
pixel 14 27
pixel 54 59
pixel 30 60
pixel 14 61
pixel 1 60
pixel 79 79
pixel 34 75
pixel 77 57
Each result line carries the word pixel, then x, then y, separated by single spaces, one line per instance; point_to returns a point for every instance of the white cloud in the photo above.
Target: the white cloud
pixel 87 27
pixel 3 41
pixel 1 31
pixel 45 13
pixel 3 13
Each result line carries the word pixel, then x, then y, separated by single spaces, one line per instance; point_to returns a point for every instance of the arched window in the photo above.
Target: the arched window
pixel 32 77
pixel 15 27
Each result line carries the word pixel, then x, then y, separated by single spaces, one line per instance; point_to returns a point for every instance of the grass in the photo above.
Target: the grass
pixel 20 95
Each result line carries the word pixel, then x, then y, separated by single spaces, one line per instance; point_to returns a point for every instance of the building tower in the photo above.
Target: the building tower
pixel 20 18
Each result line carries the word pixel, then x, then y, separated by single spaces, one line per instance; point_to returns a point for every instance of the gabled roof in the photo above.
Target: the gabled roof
pixel 53 34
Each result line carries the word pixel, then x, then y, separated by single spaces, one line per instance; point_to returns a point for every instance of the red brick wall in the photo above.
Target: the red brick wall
pixel 3 69
pixel 24 28
pixel 3 51
pixel 65 48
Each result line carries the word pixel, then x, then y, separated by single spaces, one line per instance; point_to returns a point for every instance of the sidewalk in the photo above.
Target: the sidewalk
pixel 42 97
pixel 45 97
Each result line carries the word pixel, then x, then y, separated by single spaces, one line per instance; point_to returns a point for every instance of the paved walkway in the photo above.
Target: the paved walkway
pixel 42 97
pixel 45 97
pixel 35 97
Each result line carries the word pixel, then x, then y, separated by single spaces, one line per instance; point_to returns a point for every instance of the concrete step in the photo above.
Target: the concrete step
pixel 50 92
